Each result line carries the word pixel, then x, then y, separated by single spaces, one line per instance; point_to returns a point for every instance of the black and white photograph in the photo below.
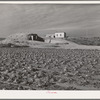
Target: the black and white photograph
pixel 50 47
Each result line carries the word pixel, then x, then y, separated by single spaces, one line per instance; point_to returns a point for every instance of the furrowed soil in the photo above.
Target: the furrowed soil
pixel 49 69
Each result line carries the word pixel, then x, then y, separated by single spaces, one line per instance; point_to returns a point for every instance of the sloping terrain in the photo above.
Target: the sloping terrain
pixel 20 40
pixel 76 20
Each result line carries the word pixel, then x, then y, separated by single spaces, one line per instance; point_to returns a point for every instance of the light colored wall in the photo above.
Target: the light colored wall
pixel 60 35
pixel 48 35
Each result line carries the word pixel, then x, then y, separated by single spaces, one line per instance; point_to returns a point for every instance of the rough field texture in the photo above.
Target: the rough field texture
pixel 49 69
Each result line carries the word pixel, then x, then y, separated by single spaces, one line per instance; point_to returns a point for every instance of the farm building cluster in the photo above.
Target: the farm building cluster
pixel 58 37
pixel 23 39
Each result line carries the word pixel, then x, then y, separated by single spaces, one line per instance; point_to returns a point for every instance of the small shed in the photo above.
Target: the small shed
pixel 35 37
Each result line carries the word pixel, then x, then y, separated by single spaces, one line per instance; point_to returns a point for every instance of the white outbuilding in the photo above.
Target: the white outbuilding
pixel 60 35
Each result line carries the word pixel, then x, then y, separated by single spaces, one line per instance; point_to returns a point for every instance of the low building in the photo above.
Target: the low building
pixel 35 37
pixel 53 36
pixel 50 36
pixel 60 35
pixel 57 35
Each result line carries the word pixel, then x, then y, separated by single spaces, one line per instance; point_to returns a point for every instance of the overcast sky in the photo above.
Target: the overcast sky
pixel 47 18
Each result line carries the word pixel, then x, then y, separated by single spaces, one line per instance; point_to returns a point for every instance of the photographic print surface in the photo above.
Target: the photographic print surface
pixel 49 47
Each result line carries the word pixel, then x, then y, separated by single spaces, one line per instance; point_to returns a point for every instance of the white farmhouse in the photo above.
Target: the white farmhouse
pixel 60 35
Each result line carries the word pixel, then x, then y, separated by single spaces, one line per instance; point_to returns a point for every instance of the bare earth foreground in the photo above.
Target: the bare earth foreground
pixel 49 69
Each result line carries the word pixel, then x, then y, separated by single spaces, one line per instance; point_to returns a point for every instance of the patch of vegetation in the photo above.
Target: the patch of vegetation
pixel 2 39
pixel 85 41
pixel 12 45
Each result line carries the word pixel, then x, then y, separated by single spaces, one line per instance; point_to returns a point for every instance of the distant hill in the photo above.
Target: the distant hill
pixel 85 41
pixel 75 20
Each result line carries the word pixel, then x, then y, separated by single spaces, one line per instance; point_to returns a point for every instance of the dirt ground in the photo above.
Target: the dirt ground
pixel 49 69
